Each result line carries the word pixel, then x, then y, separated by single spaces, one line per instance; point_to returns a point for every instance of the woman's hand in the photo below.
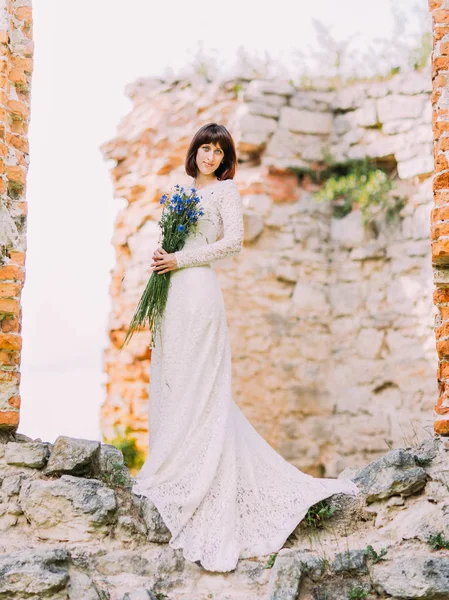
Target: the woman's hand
pixel 163 262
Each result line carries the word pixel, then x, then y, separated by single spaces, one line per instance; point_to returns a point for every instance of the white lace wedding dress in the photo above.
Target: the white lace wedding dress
pixel 221 489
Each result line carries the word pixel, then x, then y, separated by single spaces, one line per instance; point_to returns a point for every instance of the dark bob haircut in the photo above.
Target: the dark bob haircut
pixel 220 136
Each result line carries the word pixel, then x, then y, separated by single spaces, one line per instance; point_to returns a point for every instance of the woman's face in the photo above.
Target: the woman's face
pixel 208 158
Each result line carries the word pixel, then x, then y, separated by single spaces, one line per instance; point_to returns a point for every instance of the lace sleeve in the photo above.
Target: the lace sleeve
pixel 230 207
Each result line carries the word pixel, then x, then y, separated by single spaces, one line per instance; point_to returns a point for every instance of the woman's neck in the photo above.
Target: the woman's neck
pixel 201 180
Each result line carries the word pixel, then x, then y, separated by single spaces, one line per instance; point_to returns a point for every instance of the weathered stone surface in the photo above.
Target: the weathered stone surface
pixel 305 121
pixel 76 456
pixel 395 473
pixel 253 226
pixel 157 531
pixel 270 86
pixel 349 231
pixel 11 484
pixel 352 560
pixel 413 576
pixel 140 595
pixel 68 509
pixel 27 454
pixel 33 573
pixel 81 587
pixel 400 107
pixel 286 577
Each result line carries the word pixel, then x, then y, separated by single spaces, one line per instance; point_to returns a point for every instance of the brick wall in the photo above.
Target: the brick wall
pixel 440 213
pixel 16 50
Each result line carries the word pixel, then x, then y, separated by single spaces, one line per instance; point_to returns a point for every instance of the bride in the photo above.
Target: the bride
pixel 221 489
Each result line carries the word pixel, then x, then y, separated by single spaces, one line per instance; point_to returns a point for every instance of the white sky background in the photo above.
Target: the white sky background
pixel 85 53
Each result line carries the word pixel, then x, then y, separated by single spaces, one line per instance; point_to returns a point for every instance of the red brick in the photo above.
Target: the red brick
pixel 441 198
pixel 10 341
pixel 10 325
pixel 9 358
pixel 11 272
pixel 17 258
pixel 14 401
pixel 441 181
pixel 10 290
pixel 441 15
pixel 23 63
pixel 9 419
pixel 4 37
pixel 439 230
pixel 19 108
pixel 440 128
pixel 440 251
pixel 441 162
pixel 442 331
pixel 440 213
pixel 24 13
pixel 9 306
pixel 444 314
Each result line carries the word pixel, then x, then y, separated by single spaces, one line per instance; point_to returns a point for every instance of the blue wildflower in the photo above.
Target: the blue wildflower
pixel 181 227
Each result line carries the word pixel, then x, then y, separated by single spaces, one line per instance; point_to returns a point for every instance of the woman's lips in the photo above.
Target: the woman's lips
pixel 207 164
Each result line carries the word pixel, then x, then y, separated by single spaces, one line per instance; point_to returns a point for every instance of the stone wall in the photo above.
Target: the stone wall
pixel 440 212
pixel 16 64
pixel 331 320
pixel 70 529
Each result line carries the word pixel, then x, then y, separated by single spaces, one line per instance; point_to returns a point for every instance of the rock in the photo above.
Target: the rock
pixel 309 299
pixel 157 530
pixel 399 126
pixel 286 576
pixel 75 456
pixel 81 587
pixel 253 226
pixel 349 231
pixel 419 521
pixel 350 97
pixel 397 106
pixel 412 576
pixel 11 484
pixel 421 165
pixel 344 298
pixel 255 131
pixel 394 473
pixel 27 454
pixel 112 467
pixel 68 509
pixel 270 86
pixel 258 203
pixel 263 109
pixel 352 560
pixel 311 100
pixel 33 574
pixel 305 121
pixel 140 595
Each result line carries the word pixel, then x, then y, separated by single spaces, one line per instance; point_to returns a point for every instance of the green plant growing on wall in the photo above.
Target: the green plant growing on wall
pixel 359 184
pixel 127 444
pixel 438 542
pixel 318 513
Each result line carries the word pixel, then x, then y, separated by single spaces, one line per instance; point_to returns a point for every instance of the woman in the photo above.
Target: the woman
pixel 220 488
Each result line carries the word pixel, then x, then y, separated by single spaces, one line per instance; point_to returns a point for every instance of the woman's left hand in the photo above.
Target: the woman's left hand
pixel 163 262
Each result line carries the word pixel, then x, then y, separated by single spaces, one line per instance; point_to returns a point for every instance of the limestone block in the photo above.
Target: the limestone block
pixel 309 299
pixel 344 298
pixel 139 595
pixel 289 146
pixel 11 484
pixel 258 203
pixel 255 131
pixel 369 342
pixel 252 225
pixel 70 455
pixel 395 473
pixel 419 165
pixel 37 572
pixel 68 509
pixel 350 97
pixel 264 99
pixel 111 464
pixel 350 561
pixel 349 231
pixel 263 109
pixel 419 521
pixel 27 454
pixel 286 576
pixel 82 587
pixel 398 126
pixel 412 576
pixel 157 530
pixel 396 106
pixel 417 226
pixel 278 87
pixel 413 150
pixel 305 121
pixel 312 100
pixel 374 145
pixel 415 82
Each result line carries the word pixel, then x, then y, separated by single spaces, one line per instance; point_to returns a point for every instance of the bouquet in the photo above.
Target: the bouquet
pixel 179 218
